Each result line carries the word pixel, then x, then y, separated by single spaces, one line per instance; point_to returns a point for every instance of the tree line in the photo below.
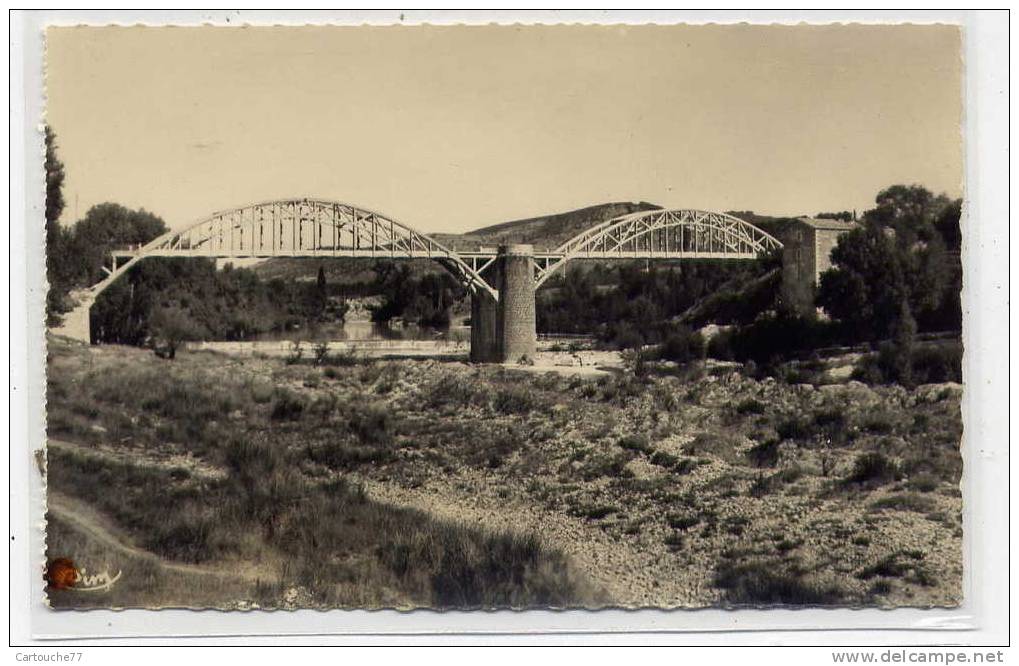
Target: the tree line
pixel 896 275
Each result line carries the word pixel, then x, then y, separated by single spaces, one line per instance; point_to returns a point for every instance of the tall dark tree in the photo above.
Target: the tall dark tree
pixel 56 237
pixel 895 263
pixel 54 179
pixel 105 227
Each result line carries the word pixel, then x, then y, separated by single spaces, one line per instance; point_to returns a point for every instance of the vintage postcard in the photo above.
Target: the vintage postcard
pixel 504 316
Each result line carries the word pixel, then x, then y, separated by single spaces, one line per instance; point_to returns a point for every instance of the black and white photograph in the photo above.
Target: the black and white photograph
pixel 479 317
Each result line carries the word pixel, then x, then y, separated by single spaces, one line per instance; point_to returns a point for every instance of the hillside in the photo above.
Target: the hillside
pixel 776 226
pixel 338 270
pixel 546 232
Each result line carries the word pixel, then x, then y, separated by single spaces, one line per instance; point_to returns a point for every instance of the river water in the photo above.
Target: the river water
pixel 360 336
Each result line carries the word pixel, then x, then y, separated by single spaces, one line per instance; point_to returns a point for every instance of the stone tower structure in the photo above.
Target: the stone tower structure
pixel 515 323
pixel 806 253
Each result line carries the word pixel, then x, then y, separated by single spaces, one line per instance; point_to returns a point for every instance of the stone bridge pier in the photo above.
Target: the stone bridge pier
pixel 504 331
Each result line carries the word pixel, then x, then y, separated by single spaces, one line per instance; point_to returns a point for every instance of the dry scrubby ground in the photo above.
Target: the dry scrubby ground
pixel 243 482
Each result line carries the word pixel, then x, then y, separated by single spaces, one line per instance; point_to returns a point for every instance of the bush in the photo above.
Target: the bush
pixel 682 345
pixel 682 521
pixel 764 485
pixel 514 400
pixel 904 502
pixel 751 406
pixel 924 482
pixel 763 582
pixel 637 443
pixel 775 338
pixel 339 454
pixel 457 391
pixel 320 351
pixel 671 462
pixel 286 406
pixel 594 511
pixel 765 454
pixel 626 336
pixel 927 364
pixel 938 364
pixel 720 346
pixel 794 427
pixel 372 425
pixel 873 468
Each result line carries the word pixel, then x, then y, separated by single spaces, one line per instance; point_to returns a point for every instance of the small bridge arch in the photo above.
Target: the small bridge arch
pixel 677 233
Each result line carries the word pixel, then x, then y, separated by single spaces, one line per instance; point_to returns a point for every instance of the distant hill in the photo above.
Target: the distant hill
pixel 546 232
pixel 338 270
pixel 776 226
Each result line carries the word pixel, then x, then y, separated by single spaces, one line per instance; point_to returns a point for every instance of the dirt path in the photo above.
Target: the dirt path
pixel 630 574
pixel 83 518
pixel 141 457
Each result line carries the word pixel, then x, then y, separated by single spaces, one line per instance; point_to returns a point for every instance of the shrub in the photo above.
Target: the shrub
pixel 894 565
pixel 341 454
pixel 682 345
pixel 831 424
pixel 345 359
pixel 873 468
pixel 682 521
pixel 637 443
pixel 720 445
pixel 751 406
pixel 924 482
pixel 765 454
pixel 764 582
pixel 938 364
pixel 188 538
pixel 720 346
pixel 673 463
pixel 286 406
pixel 927 364
pixel 320 351
pixel 611 466
pixel 595 511
pixel 779 337
pixel 455 390
pixel 904 502
pixel 764 485
pixel 372 424
pixel 674 541
pixel 878 422
pixel 514 400
pixel 627 336
pixel 794 427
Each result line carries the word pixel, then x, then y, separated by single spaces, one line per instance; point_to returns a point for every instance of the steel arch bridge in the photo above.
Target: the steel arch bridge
pixel 655 234
pixel 299 228
pixel 320 228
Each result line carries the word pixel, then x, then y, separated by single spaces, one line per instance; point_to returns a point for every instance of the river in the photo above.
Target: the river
pixel 357 336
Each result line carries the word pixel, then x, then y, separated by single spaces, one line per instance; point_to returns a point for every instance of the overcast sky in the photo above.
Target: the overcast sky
pixel 452 128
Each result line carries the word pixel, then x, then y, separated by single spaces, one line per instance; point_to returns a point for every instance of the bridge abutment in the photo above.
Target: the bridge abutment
pixel 77 323
pixel 515 325
pixel 484 313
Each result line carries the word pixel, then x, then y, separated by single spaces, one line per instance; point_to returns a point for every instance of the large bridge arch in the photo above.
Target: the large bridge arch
pixel 299 228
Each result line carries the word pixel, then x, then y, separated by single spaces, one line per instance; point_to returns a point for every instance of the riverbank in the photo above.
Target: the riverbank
pixel 682 489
